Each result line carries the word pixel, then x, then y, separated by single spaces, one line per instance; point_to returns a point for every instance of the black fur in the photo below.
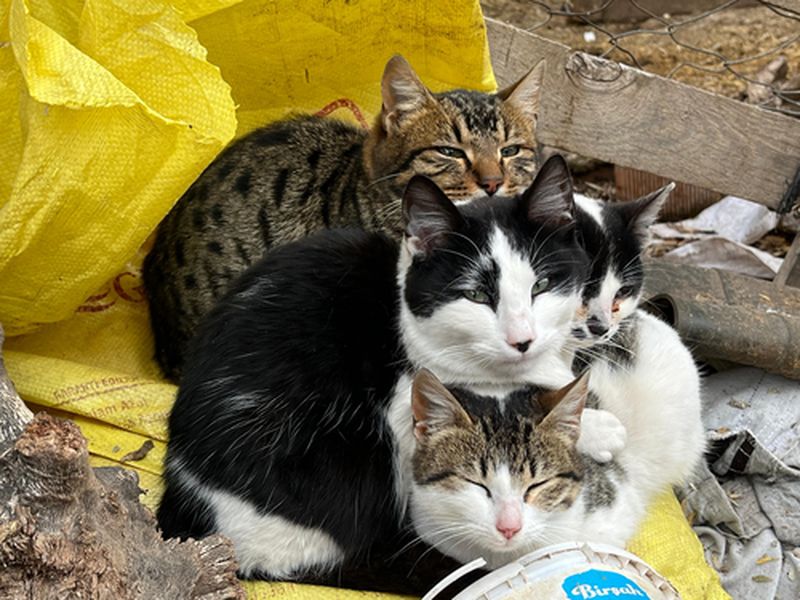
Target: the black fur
pixel 309 333
pixel 463 237
pixel 284 395
pixel 614 247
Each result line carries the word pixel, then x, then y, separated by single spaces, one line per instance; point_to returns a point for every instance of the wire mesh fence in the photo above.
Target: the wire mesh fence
pixel 748 49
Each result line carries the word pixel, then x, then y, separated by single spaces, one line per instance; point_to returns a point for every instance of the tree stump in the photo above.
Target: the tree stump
pixel 70 531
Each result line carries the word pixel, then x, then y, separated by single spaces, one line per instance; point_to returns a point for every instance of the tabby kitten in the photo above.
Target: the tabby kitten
pixel 491 481
pixel 292 430
pixel 307 173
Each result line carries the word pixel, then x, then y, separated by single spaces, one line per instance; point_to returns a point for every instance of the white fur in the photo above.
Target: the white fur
pixel 400 420
pixel 657 401
pixel 468 343
pixel 591 206
pixel 463 523
pixel 602 436
pixel 264 542
pixel 602 307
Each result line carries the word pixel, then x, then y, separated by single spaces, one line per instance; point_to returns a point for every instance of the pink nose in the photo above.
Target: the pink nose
pixel 508 531
pixel 509 519
pixel 490 184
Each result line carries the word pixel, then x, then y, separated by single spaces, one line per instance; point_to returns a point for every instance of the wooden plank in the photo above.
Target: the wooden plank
pixel 604 110
pixel 789 273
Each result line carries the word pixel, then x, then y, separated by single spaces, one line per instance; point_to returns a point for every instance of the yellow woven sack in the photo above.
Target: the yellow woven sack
pixel 114 110
pixel 111 109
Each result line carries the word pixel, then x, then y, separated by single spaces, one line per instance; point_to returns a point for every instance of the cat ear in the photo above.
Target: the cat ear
pixel 640 214
pixel 549 198
pixel 429 214
pixel 402 92
pixel 433 406
pixel 524 94
pixel 566 407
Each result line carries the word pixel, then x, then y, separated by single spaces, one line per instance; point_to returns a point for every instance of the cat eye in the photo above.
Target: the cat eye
pixel 540 286
pixel 480 485
pixel 625 291
pixel 451 152
pixel 533 486
pixel 571 475
pixel 477 296
pixel 509 151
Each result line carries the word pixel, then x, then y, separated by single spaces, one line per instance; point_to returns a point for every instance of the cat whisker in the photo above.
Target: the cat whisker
pixel 384 178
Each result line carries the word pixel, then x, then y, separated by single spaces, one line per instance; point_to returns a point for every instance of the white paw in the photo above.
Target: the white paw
pixel 602 435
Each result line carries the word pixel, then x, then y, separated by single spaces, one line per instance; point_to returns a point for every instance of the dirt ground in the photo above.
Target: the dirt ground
pixel 738 34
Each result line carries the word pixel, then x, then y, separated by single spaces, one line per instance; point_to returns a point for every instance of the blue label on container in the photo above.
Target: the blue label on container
pixel 601 584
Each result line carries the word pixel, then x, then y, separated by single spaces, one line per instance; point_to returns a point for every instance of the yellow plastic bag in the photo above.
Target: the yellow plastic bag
pixel 111 109
pixel 115 112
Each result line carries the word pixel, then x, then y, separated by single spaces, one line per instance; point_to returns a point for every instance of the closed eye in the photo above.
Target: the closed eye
pixel 571 475
pixel 437 477
pixel 480 485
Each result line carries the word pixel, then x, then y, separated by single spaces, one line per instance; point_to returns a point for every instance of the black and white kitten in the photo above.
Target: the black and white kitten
pixel 615 235
pixel 641 371
pixel 291 430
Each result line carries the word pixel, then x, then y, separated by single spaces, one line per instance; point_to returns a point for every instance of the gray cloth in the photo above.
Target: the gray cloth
pixel 746 502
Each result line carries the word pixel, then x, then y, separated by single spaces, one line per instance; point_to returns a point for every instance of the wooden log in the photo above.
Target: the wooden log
pixel 70 531
pixel 728 316
pixel 619 114
pixel 14 415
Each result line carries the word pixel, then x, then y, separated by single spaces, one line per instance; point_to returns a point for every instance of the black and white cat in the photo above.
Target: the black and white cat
pixel 615 234
pixel 292 432
pixel 641 371
pixel 497 483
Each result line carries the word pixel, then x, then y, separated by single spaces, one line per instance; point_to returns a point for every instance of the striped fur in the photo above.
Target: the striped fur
pixel 306 173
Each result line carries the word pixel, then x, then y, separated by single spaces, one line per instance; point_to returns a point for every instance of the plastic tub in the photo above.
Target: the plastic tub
pixel 571 571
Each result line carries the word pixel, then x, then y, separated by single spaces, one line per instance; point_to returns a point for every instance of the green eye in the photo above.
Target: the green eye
pixel 451 152
pixel 540 286
pixel 509 151
pixel 477 296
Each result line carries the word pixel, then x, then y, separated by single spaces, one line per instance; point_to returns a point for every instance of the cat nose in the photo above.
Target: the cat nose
pixel 596 326
pixel 491 183
pixel 508 531
pixel 509 518
pixel 522 346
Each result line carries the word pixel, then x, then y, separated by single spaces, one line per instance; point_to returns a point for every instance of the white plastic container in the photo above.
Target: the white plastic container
pixel 571 571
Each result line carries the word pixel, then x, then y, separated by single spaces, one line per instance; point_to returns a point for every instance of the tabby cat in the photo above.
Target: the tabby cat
pixel 292 432
pixel 490 482
pixel 309 173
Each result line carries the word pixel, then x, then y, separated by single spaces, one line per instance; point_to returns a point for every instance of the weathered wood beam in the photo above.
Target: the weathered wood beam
pixel 789 273
pixel 605 110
